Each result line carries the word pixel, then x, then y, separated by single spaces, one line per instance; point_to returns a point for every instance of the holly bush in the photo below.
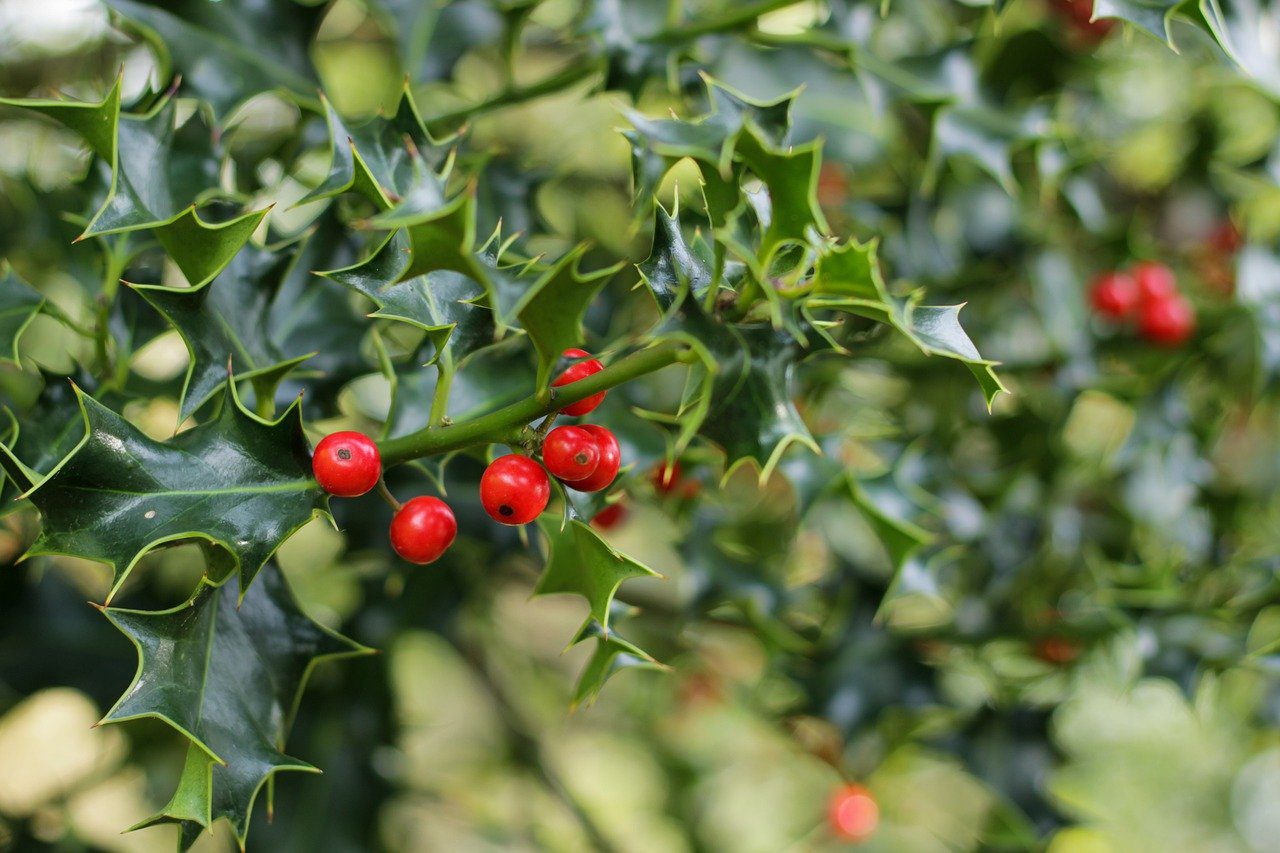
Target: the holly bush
pixel 904 575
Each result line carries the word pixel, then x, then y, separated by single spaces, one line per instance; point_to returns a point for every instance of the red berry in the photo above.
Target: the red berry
pixel 666 477
pixel 610 460
pixel 1225 239
pixel 423 529
pixel 611 516
pixel 514 489
pixel 1155 281
pixel 1114 295
pixel 1168 322
pixel 570 453
pixel 1057 650
pixel 347 464
pixel 580 370
pixel 853 813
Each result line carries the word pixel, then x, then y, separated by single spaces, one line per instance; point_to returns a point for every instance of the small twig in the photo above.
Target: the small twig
pixel 387 496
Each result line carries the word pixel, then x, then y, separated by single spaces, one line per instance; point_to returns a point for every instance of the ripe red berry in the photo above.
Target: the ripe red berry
pixel 1114 295
pixel 1155 281
pixel 346 464
pixel 853 813
pixel 1168 322
pixel 611 516
pixel 570 453
pixel 580 370
pixel 514 489
pixel 423 529
pixel 610 460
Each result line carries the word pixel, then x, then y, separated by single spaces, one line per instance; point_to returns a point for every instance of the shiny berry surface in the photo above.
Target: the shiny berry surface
pixel 580 370
pixel 1114 295
pixel 423 529
pixel 570 453
pixel 853 813
pixel 514 489
pixel 1168 322
pixel 610 460
pixel 346 464
pixel 1155 281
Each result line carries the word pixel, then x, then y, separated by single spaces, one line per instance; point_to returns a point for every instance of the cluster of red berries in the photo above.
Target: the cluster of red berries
pixel 1149 293
pixel 514 489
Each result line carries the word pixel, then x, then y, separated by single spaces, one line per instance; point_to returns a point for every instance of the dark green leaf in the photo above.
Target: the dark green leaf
pixel 579 562
pixel 225 322
pixel 229 51
pixel 19 304
pixel 237 481
pixel 227 674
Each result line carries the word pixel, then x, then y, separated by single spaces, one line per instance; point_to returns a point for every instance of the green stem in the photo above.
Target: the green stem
pixel 440 397
pixel 499 425
pixel 517 94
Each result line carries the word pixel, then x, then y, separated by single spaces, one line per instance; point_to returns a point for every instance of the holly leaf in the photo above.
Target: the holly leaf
pixel 673 266
pixel 579 562
pixel 713 136
pixel 238 482
pixel 230 51
pixel 612 655
pixel 1157 16
pixel 19 305
pixel 196 665
pixel 310 314
pixel 381 158
pixel 442 303
pixel 159 171
pixel 442 240
pixel 44 434
pixel 226 321
pixel 847 278
pixel 745 377
pixel 553 312
pixel 432 37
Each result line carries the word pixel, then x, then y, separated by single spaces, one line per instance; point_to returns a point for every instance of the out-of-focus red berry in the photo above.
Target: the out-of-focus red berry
pixel 1168 322
pixel 1225 238
pixel 853 813
pixel 1114 295
pixel 1057 650
pixel 1155 281
pixel 1079 13
pixel 610 517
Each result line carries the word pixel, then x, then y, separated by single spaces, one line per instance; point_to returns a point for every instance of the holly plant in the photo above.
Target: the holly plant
pixel 659 307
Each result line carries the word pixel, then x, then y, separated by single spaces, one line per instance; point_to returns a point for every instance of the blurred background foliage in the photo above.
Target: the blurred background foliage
pixel 1082 657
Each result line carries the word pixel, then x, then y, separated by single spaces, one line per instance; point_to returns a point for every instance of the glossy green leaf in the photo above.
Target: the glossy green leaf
pixel 552 314
pixel 442 303
pixel 19 305
pixel 160 171
pixel 580 563
pixel 381 158
pixel 229 51
pixel 612 655
pixel 237 481
pixel 225 325
pixel 228 674
pixel 848 278
pixel 43 435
